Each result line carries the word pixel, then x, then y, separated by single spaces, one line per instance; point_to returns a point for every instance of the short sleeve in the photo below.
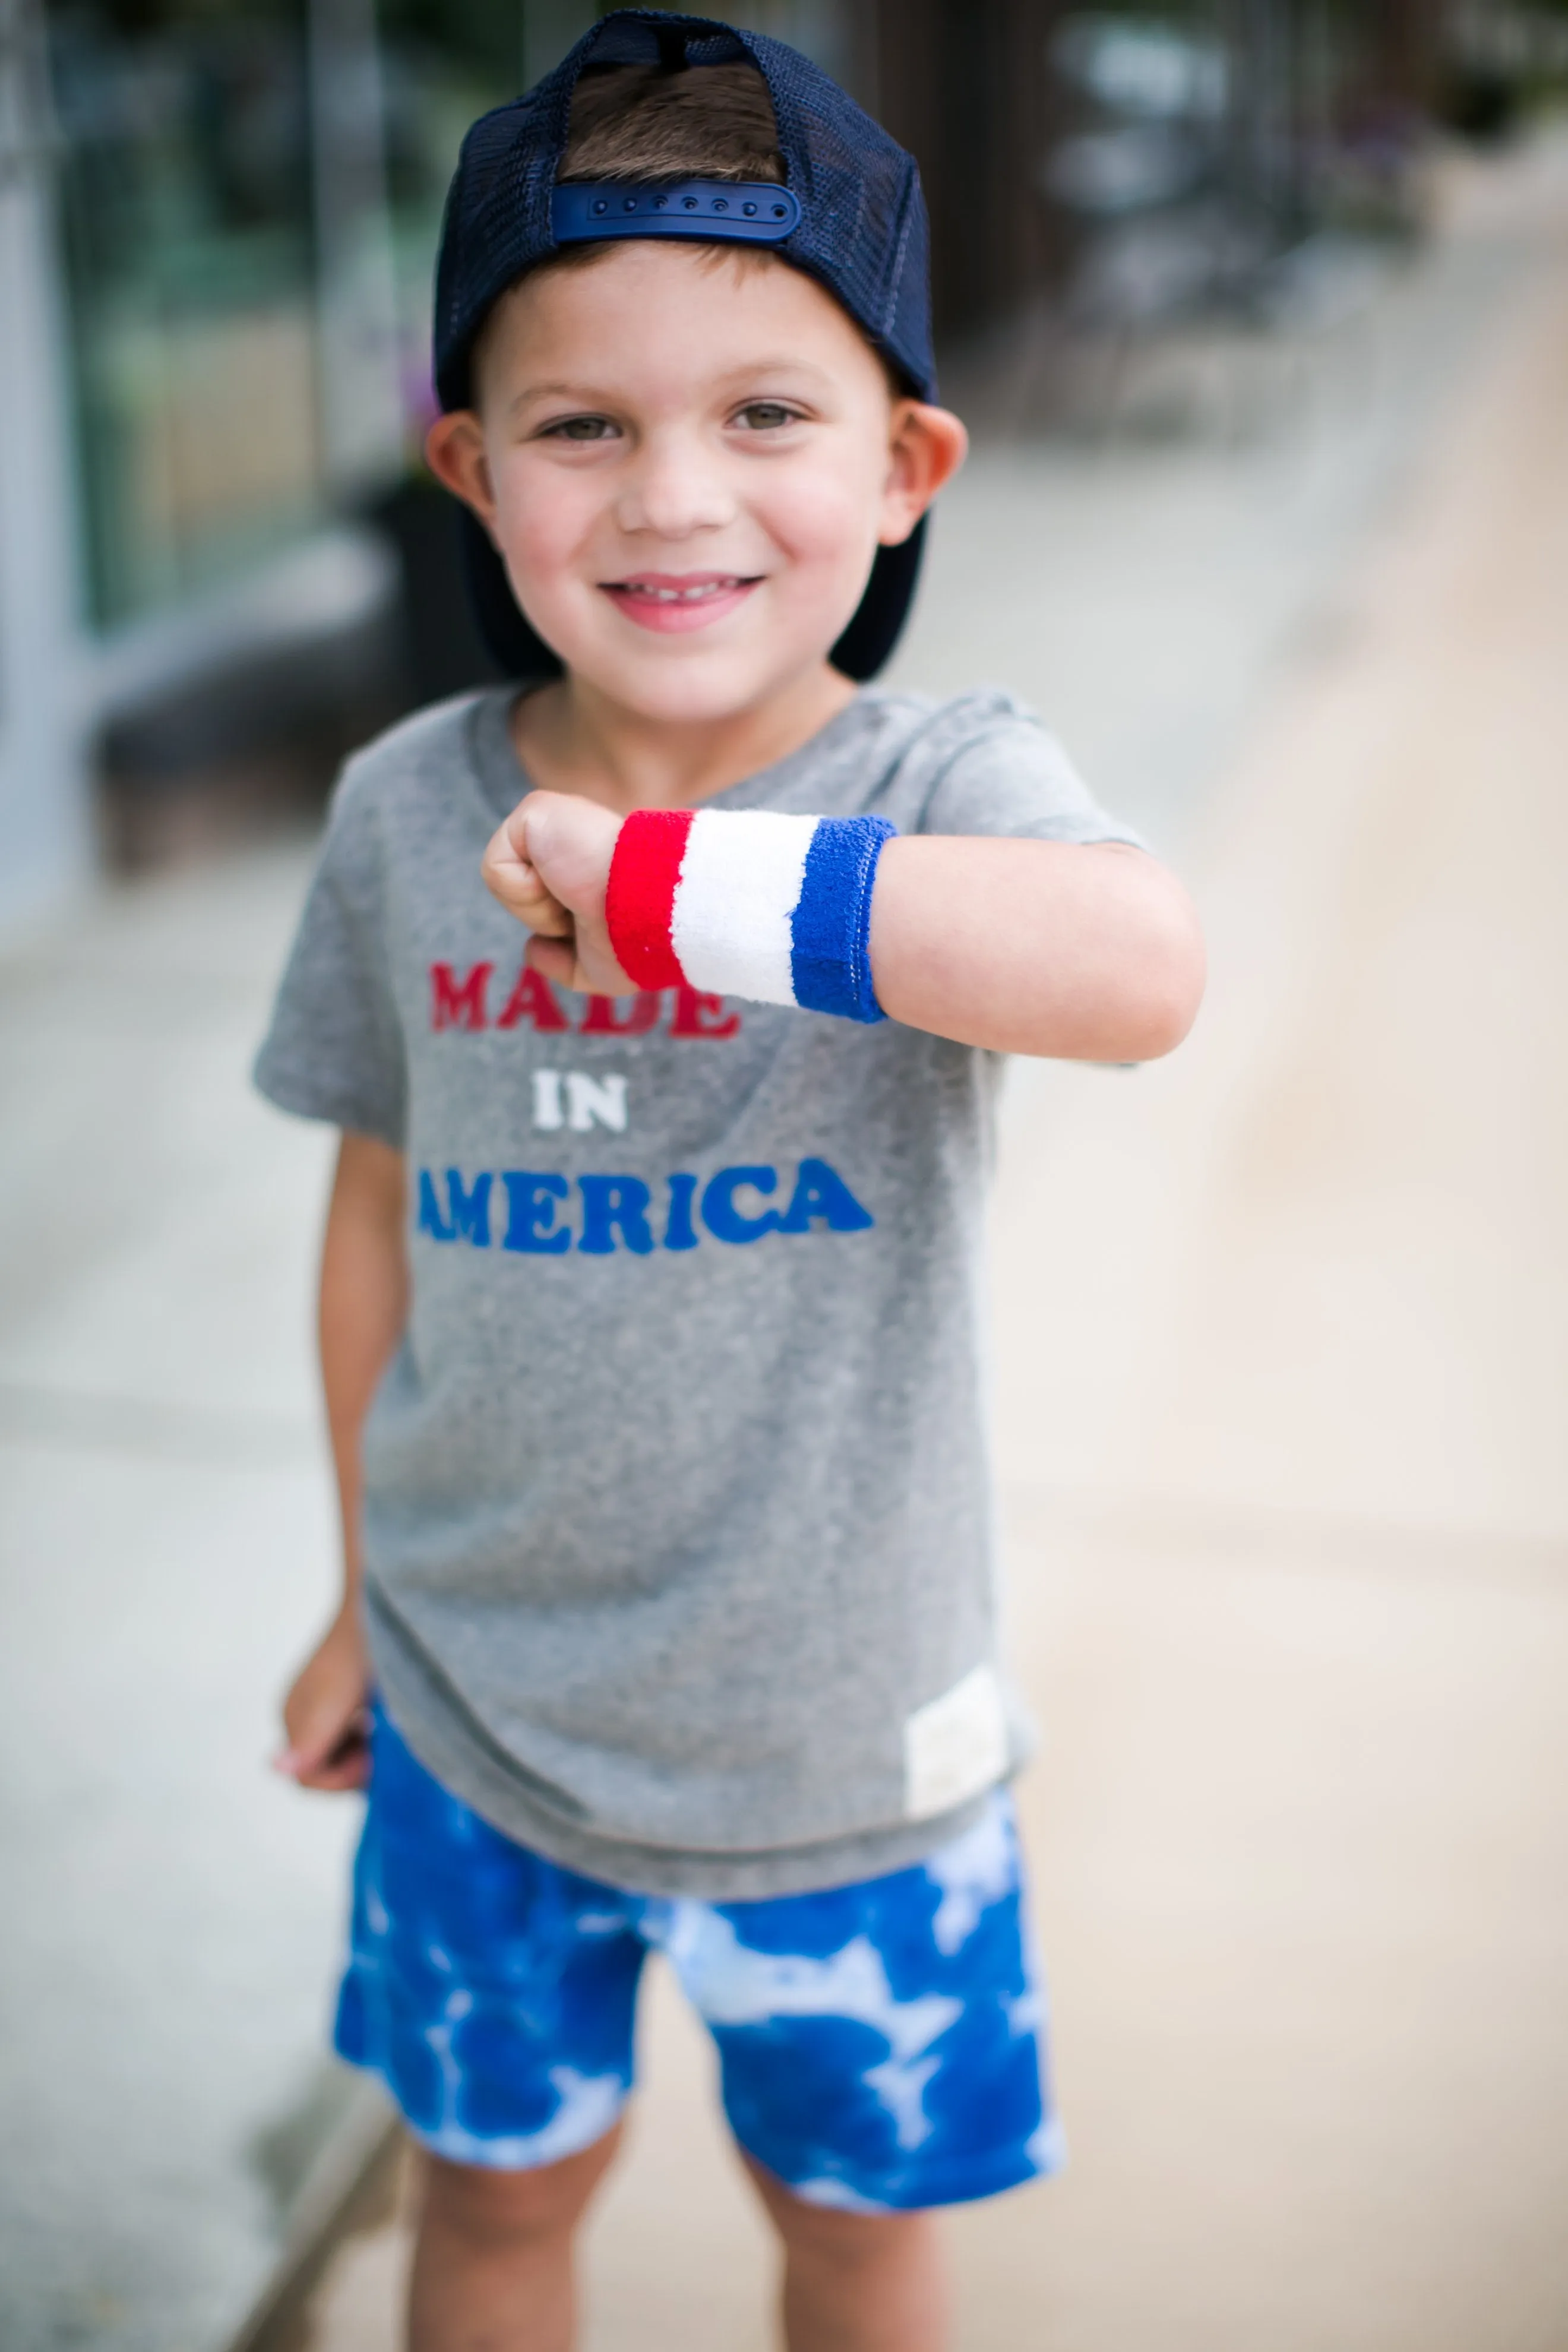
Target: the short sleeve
pixel 334 1049
pixel 1012 778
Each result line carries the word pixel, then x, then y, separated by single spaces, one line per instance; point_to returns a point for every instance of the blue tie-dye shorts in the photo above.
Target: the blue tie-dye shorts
pixel 881 2045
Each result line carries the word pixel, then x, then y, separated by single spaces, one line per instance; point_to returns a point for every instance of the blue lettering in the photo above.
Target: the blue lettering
pixel 612 1202
pixel 469 1209
pixel 821 1191
pixel 616 1208
pixel 721 1215
pixel 679 1233
pixel 531 1212
pixel 431 1221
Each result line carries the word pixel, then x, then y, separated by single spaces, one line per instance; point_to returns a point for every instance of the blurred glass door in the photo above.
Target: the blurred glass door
pixel 185 202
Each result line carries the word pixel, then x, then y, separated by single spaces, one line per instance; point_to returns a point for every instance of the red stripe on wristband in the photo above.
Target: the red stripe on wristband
pixel 640 892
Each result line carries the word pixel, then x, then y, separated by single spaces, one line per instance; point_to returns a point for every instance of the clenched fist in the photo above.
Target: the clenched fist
pixel 549 865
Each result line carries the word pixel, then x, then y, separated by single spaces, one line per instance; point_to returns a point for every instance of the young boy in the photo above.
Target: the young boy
pixel 648 1295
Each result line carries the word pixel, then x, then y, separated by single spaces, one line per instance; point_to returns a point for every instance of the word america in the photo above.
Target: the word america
pixel 749 902
pixel 526 1210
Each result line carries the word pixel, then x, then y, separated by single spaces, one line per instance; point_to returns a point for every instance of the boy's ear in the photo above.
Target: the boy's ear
pixel 454 453
pixel 927 447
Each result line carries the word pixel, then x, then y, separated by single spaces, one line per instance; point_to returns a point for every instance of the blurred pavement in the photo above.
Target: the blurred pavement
pixel 1280 1392
pixel 170 1908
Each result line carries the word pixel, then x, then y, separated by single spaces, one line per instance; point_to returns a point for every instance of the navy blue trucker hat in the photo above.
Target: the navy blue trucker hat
pixel 848 212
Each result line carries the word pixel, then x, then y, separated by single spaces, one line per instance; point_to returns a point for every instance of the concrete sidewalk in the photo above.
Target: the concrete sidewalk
pixel 1282 1391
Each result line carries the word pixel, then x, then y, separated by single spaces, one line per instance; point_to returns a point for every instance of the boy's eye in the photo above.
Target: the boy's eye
pixel 766 415
pixel 580 428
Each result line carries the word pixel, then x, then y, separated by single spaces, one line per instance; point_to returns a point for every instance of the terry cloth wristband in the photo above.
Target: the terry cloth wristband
pixel 746 902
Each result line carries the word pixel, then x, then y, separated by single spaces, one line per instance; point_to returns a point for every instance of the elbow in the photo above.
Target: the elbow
pixel 1153 977
pixel 1162 1008
pixel 1159 1026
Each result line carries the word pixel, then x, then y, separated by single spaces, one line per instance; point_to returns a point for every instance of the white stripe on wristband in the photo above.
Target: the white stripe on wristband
pixel 729 913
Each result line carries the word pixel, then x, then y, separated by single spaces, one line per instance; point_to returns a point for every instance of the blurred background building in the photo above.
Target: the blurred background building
pixel 216 226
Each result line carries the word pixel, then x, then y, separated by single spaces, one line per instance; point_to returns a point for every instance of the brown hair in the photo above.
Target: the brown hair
pixel 643 123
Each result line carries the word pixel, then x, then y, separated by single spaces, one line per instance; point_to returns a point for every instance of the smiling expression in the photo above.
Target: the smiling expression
pixel 687 462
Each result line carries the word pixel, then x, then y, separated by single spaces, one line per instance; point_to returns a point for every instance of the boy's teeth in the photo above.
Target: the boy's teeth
pixel 685 596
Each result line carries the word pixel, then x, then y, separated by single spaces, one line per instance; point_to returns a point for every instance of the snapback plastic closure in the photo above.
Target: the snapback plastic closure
pixel 741 212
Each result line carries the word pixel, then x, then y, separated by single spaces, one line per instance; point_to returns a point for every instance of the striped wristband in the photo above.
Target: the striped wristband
pixel 746 902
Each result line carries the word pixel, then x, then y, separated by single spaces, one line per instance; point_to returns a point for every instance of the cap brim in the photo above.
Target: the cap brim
pixel 522 652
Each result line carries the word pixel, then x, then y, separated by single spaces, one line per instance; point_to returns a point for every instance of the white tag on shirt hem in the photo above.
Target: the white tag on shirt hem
pixel 955 1747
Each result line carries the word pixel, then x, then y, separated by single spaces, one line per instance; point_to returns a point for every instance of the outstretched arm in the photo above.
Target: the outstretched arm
pixel 363 1304
pixel 1089 953
pixel 1036 947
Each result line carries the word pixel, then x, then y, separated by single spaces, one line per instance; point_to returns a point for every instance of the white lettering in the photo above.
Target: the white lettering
pixel 591 1099
pixel 547 1098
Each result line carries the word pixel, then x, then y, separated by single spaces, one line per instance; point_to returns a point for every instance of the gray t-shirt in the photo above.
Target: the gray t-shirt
pixel 676 1518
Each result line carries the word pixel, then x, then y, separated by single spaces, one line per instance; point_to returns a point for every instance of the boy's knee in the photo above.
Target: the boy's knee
pixel 828 2236
pixel 495 2209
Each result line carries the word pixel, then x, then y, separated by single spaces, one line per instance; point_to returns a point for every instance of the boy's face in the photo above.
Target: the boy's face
pixel 687 464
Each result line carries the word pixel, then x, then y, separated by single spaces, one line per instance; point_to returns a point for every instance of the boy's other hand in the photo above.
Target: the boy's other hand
pixel 549 865
pixel 326 1719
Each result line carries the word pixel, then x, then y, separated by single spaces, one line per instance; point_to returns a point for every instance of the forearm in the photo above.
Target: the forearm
pixel 1082 952
pixel 1036 947
pixel 363 1306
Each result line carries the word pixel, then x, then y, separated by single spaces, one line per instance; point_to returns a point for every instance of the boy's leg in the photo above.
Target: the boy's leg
pixel 881 2046
pixel 494 1994
pixel 492 2265
pixel 856 2281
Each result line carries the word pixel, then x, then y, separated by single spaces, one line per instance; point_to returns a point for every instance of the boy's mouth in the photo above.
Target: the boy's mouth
pixel 670 601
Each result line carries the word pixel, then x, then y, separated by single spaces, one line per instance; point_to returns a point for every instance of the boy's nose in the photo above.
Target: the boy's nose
pixel 671 491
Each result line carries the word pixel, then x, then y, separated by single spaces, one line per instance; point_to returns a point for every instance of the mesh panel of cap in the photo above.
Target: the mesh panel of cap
pixel 863 226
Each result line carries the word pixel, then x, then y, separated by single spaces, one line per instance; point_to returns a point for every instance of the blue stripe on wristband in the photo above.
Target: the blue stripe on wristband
pixel 830 962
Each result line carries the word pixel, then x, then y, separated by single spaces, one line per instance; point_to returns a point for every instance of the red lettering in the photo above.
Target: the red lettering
pixel 533 1000
pixel 698 1015
pixel 458 1004
pixel 642 1012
